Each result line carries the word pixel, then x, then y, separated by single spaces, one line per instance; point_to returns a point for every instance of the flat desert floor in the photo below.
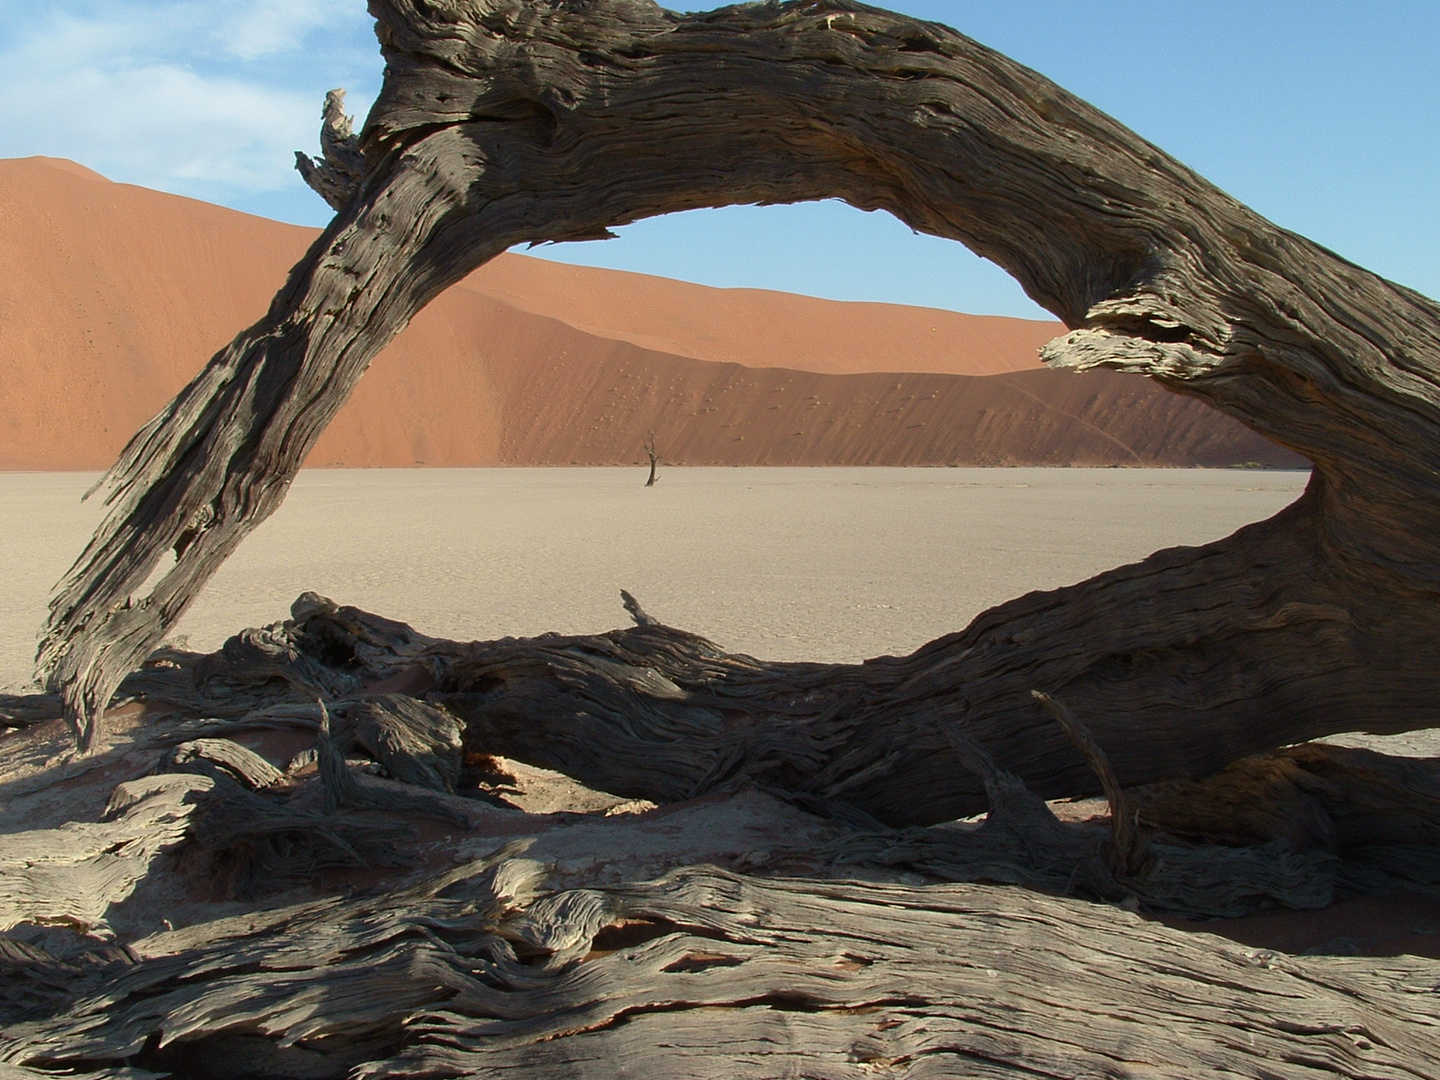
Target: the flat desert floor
pixel 823 564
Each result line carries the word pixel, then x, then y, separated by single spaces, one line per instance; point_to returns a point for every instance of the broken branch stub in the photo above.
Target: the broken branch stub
pixel 337 174
pixel 1126 853
pixel 507 123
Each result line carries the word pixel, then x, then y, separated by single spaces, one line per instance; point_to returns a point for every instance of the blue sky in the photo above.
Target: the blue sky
pixel 1324 115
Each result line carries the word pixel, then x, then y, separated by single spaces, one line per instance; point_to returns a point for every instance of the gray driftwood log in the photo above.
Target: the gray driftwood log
pixel 502 122
pixel 709 974
pixel 657 714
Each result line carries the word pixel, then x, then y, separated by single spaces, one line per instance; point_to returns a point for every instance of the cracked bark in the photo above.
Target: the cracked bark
pixel 709 974
pixel 502 123
pixel 490 969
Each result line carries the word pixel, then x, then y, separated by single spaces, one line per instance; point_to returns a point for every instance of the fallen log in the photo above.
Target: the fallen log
pixel 480 972
pixel 487 969
pixel 656 714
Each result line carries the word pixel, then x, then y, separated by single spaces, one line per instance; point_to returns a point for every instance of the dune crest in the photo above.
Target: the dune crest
pixel 113 296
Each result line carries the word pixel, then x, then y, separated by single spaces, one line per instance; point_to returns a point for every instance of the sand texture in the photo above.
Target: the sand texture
pixel 802 564
pixel 113 296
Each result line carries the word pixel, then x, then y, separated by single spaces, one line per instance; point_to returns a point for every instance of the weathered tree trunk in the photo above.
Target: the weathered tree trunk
pixel 501 123
pixel 709 974
pixel 653 713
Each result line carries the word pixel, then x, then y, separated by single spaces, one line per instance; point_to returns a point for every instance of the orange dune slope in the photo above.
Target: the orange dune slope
pixel 759 328
pixel 113 296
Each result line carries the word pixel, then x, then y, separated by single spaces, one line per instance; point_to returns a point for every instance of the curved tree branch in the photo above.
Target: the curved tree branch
pixel 502 122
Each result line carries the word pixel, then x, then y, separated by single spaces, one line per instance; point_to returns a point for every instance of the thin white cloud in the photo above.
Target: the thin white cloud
pixel 268 27
pixel 205 99
pixel 159 125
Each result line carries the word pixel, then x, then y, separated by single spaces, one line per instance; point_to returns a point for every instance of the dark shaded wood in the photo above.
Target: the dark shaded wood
pixel 248 847
pixel 506 123
pixel 23 710
pixel 1020 841
pixel 416 743
pixel 648 712
pixel 657 714
pixel 345 789
pixel 1377 816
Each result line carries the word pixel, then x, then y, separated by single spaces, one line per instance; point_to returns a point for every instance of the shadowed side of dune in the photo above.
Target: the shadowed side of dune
pixel 113 296
pixel 571 403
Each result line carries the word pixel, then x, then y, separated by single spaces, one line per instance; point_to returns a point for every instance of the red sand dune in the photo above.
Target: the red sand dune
pixel 763 329
pixel 112 296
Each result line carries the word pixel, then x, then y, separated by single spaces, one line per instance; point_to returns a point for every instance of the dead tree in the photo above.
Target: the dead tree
pixel 653 454
pixel 503 122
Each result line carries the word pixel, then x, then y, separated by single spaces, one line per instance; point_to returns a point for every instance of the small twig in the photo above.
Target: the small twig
pixel 340 786
pixel 636 611
pixel 1128 854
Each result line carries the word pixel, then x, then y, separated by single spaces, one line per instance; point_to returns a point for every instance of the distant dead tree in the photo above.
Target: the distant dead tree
pixel 654 454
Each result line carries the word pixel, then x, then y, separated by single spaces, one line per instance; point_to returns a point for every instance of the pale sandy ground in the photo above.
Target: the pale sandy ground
pixel 801 564
pixel 787 564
